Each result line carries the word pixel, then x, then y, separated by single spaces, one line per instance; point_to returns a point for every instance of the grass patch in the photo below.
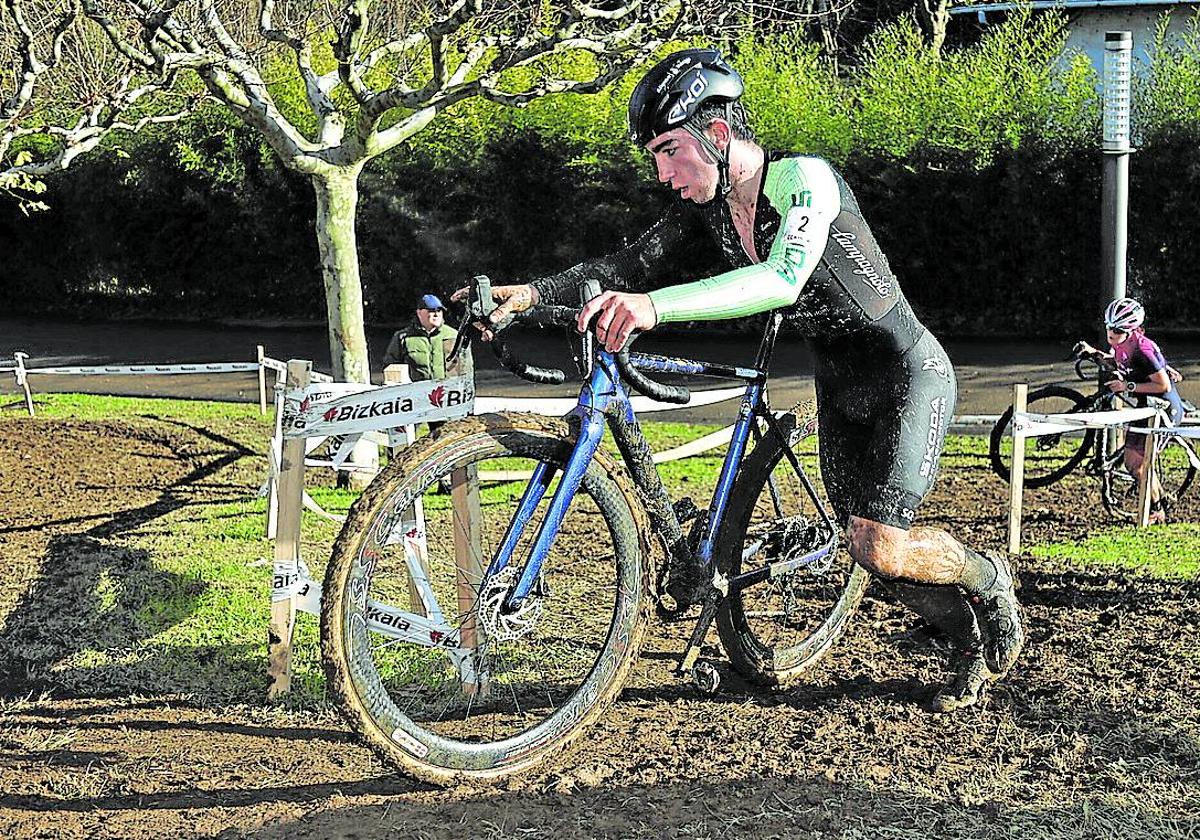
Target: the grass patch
pixel 1165 551
pixel 99 407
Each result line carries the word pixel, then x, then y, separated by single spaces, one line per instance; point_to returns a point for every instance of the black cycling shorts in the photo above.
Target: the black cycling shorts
pixel 882 421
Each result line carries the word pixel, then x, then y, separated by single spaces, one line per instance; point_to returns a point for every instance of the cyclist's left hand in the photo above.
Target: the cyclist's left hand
pixel 620 313
pixel 1117 385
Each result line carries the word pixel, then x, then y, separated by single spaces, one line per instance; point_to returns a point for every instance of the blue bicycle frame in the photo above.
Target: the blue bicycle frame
pixel 604 400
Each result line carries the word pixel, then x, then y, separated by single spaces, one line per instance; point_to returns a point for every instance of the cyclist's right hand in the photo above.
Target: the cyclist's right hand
pixel 1083 350
pixel 509 300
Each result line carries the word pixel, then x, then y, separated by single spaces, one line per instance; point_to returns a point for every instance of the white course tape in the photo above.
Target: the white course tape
pixel 135 370
pixel 1181 431
pixel 1035 425
pixel 558 406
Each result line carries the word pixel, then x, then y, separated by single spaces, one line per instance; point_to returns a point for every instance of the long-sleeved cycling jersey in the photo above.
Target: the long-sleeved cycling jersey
pixel 820 261
pixel 885 387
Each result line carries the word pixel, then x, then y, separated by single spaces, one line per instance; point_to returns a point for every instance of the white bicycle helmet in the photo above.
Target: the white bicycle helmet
pixel 1124 314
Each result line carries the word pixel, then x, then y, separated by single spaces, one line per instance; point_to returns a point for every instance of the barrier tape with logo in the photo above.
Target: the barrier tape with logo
pixel 320 411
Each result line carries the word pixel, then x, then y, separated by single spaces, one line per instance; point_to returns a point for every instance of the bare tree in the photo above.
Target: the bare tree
pixel 64 87
pixel 374 74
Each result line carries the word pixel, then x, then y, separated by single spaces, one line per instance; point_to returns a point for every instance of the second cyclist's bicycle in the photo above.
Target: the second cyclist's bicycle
pixel 1101 452
pixel 523 623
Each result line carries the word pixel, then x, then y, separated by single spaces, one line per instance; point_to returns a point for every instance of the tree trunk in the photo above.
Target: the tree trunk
pixel 934 17
pixel 337 204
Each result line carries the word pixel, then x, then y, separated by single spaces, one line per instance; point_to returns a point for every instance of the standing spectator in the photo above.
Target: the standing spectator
pixel 424 344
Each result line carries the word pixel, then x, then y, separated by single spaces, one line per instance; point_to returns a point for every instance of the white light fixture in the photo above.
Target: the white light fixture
pixel 1118 77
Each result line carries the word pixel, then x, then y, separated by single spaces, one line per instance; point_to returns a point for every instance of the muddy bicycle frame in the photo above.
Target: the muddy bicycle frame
pixel 604 401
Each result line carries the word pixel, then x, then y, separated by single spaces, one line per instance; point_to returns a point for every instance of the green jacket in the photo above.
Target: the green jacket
pixel 425 353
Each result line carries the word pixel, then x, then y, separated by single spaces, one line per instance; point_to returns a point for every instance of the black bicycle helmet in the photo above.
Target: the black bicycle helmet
pixel 674 90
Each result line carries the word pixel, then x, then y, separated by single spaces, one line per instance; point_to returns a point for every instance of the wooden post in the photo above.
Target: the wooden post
pixel 276 444
pixel 1146 484
pixel 414 517
pixel 23 379
pixel 468 555
pixel 262 382
pixel 1016 477
pixel 287 547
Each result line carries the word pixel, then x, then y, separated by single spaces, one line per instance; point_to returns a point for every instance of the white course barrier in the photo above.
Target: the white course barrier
pixel 1027 425
pixel 261 366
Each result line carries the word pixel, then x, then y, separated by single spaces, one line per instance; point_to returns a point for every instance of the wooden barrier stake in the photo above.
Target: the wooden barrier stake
pixel 262 382
pixel 1016 477
pixel 1146 484
pixel 23 379
pixel 276 453
pixel 287 546
pixel 468 556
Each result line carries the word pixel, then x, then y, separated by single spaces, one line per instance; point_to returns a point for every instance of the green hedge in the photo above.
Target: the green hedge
pixel 976 169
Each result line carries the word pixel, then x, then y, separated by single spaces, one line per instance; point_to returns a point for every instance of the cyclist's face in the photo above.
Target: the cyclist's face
pixel 683 165
pixel 1116 337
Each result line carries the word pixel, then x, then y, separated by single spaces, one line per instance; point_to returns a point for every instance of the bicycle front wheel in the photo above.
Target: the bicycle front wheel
pixel 775 630
pixel 1175 469
pixel 427 664
pixel 1050 457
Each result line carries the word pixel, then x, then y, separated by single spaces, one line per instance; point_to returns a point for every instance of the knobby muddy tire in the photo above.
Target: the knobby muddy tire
pixel 1071 457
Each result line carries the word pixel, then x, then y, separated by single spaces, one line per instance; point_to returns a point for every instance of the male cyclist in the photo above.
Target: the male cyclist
pixel 792 231
pixel 1141 372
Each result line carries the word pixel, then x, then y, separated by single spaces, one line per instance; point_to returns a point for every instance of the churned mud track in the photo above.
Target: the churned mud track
pixel 1096 734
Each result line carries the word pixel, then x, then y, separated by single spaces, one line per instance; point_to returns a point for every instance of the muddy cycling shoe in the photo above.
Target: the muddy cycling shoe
pixel 999 615
pixel 971 676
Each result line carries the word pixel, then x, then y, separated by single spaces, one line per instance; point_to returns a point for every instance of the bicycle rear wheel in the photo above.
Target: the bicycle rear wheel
pixel 425 664
pixel 776 630
pixel 1048 458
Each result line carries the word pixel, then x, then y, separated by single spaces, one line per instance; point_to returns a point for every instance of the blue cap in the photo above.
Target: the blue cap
pixel 430 302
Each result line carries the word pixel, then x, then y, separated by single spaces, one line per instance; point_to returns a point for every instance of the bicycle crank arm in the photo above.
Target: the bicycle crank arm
pixel 707 613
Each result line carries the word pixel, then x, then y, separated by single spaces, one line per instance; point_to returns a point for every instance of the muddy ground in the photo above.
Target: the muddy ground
pixel 1095 734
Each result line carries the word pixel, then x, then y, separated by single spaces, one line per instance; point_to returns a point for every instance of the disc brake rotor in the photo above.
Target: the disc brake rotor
pixel 500 626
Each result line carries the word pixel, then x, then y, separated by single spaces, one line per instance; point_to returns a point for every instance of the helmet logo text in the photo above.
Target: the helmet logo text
pixel 691 94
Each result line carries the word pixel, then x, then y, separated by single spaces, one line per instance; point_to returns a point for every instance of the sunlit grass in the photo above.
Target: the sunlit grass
pixel 1167 551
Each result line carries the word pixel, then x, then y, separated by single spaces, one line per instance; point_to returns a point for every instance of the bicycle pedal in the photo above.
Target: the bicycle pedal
pixel 706 677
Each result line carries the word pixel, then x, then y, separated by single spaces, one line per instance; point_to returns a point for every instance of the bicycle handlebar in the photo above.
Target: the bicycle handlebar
pixel 479 310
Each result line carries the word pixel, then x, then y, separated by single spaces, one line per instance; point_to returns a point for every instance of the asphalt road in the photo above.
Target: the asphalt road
pixel 986 369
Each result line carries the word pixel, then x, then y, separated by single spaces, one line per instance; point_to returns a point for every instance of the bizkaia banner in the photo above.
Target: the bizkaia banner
pixel 339 409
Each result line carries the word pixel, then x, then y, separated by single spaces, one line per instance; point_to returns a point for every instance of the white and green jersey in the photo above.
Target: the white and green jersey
pixel 816 258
